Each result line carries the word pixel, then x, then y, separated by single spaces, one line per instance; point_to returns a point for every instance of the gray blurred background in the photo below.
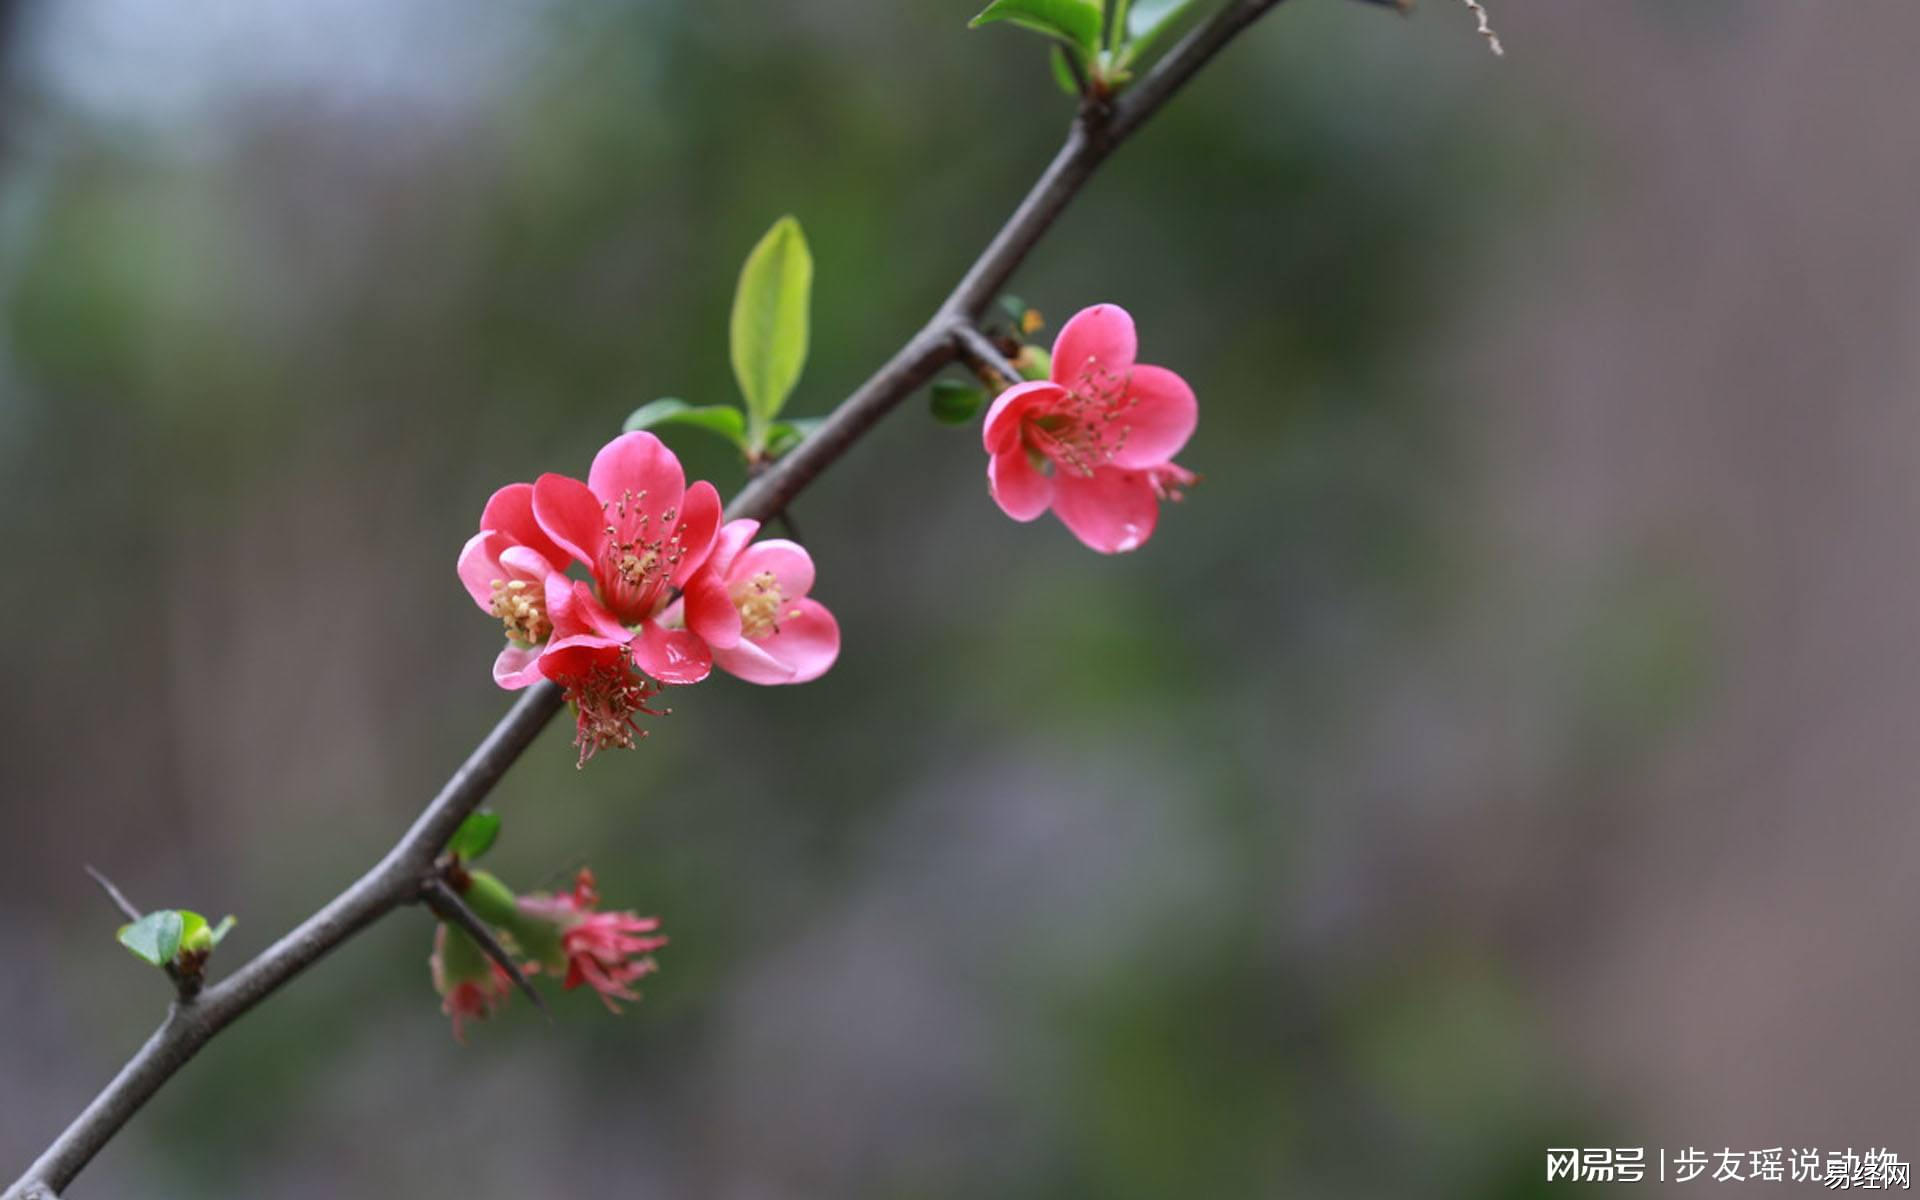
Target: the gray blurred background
pixel 1511 743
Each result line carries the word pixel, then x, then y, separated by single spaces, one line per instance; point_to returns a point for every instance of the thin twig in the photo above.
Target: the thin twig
pixel 114 894
pixel 395 878
pixel 448 906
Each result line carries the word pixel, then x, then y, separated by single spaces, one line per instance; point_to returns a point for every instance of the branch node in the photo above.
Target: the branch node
pixel 449 907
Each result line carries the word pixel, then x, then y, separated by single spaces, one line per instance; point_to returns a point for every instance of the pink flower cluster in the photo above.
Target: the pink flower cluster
pixel 1095 441
pixel 669 591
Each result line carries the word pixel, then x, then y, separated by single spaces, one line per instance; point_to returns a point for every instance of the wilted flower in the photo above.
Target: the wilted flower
pixel 608 951
pixel 470 984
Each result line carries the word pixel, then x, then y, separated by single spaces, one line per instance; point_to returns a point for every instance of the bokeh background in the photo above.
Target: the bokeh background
pixel 1511 744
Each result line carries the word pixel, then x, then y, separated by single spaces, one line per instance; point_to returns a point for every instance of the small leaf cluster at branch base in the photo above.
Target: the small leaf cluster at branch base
pixel 1096 46
pixel 563 936
pixel 175 938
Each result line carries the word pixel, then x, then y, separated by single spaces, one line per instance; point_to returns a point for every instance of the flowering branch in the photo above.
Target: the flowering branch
pixel 407 873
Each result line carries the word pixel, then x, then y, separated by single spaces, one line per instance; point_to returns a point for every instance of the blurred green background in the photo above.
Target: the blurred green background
pixel 1508 745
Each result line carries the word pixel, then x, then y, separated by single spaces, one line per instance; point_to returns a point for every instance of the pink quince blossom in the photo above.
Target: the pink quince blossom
pixel 750 604
pixel 608 951
pixel 505 568
pixel 641 532
pixel 471 987
pixel 1095 441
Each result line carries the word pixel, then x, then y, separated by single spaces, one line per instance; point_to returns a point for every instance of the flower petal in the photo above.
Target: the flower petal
pixel 517 666
pixel 510 510
pixel 479 566
pixel 808 641
pixel 789 563
pixel 575 657
pixel 1160 416
pixel 1112 511
pixel 1001 430
pixel 636 463
pixel 751 662
pixel 734 537
pixel 709 611
pixel 524 562
pixel 575 611
pixel 571 515
pixel 671 655
pixel 1101 336
pixel 1020 489
pixel 699 522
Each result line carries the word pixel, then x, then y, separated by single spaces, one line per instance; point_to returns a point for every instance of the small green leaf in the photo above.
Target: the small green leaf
pixel 1077 22
pixel 475 835
pixel 953 402
pixel 1035 362
pixel 1149 19
pixel 768 333
pixel 1063 73
pixel 194 934
pixel 783 436
pixel 722 419
pixel 155 937
pixel 219 932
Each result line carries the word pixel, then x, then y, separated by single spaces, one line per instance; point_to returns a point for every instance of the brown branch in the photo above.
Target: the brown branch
pixel 397 878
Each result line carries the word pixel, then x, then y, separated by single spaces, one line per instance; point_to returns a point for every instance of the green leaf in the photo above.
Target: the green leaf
pixel 1062 73
pixel 1076 22
pixel 475 835
pixel 953 402
pixel 193 931
pixel 219 932
pixel 783 436
pixel 769 327
pixel 1036 362
pixel 722 419
pixel 156 936
pixel 1151 18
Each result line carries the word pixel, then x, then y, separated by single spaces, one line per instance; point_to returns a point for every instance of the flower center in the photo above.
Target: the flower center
pixel 522 607
pixel 1084 430
pixel 640 556
pixel 606 701
pixel 759 603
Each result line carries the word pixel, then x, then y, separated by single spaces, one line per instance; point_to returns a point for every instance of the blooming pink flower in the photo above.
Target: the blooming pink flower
pixel 750 604
pixel 1095 441
pixel 470 984
pixel 608 951
pixel 505 568
pixel 642 532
